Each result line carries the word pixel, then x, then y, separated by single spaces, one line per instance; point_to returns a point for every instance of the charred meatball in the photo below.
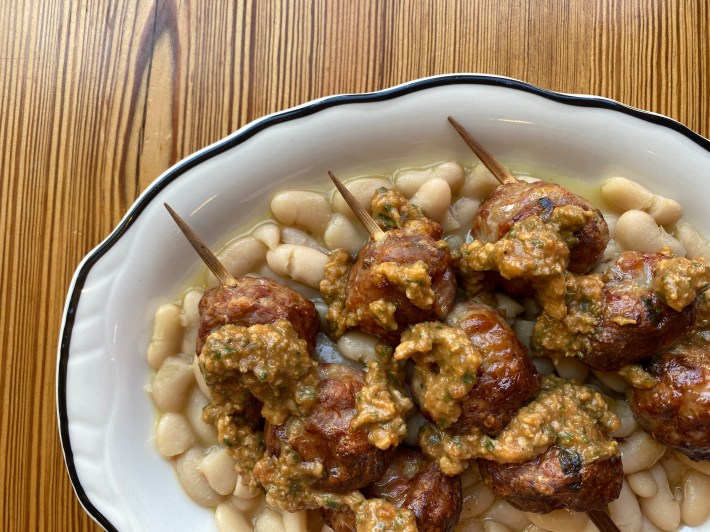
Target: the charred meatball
pixel 506 379
pixel 387 299
pixel 514 201
pixel 350 461
pixel 676 411
pixel 257 300
pixel 556 479
pixel 412 482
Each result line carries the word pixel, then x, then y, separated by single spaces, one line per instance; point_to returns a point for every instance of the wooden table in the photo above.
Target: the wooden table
pixel 98 97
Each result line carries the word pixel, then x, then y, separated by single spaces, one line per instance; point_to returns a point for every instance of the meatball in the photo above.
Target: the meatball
pixel 506 378
pixel 676 411
pixel 257 300
pixel 367 286
pixel 556 479
pixel 515 201
pixel 349 460
pixel 412 482
pixel 635 322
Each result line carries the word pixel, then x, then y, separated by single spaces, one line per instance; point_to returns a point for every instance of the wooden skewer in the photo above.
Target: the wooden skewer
pixel 602 521
pixel 376 232
pixel 497 169
pixel 212 262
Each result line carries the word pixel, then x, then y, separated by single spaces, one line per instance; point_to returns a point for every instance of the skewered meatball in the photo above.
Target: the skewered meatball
pixel 515 201
pixel 412 482
pixel 506 378
pixel 386 302
pixel 257 300
pixel 676 411
pixel 556 479
pixel 348 459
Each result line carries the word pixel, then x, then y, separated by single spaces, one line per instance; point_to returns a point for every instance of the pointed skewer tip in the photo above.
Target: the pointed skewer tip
pixel 376 232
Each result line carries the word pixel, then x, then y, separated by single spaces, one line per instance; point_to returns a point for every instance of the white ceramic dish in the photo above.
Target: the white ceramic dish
pixel 105 416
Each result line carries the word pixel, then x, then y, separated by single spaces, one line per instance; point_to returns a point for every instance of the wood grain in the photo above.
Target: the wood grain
pixel 98 97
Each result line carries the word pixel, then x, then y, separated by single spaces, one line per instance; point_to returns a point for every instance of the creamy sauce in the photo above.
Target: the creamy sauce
pixel 677 280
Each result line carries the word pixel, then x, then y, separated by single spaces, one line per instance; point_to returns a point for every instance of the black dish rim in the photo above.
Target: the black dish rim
pixel 246 133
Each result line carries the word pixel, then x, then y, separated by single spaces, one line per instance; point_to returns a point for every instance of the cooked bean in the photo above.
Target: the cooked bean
pixel 703 467
pixel 291 235
pixel 199 378
pixel 248 506
pixel 625 511
pixel 167 335
pixel 362 188
pixel 665 210
pixel 268 234
pixel 612 250
pixel 194 482
pixel 269 521
pixel 662 508
pixel 523 330
pixel 572 369
pixel 639 451
pixel 695 508
pixel 694 244
pixel 638 231
pixel 674 468
pixel 625 195
pixel 309 210
pixel 414 423
pixel 470 477
pixel 465 210
pixel 190 318
pixel 527 178
pixel 344 233
pixel 206 433
pixel 647 525
pixel 559 520
pixel 410 180
pixel 302 264
pixel 494 526
pixel 508 306
pixel 642 483
pixel 173 435
pixel 479 183
pixel 503 513
pixel 295 521
pixel 434 197
pixel 171 384
pixel 242 491
pixel 358 346
pixel 239 258
pixel 612 380
pixel 449 223
pixel 476 501
pixel 230 519
pixel 461 526
pixel 543 365
pixel 628 422
pixel 218 468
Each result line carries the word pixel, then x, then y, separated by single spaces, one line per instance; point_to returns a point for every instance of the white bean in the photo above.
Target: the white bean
pixel 665 210
pixel 675 469
pixel 291 235
pixel 295 521
pixel 695 508
pixel 479 183
pixel 343 233
pixel 628 422
pixel 502 512
pixel 625 195
pixel 638 231
pixel 229 519
pixel 523 330
pixel 448 222
pixel 476 501
pixel 694 244
pixel 269 521
pixel 434 197
pixel 648 526
pixel 268 234
pixel 173 435
pixel 461 526
pixel 358 346
pixel 190 318
pixel 218 468
pixel 201 384
pixel 243 491
pixel 559 520
pixel 703 466
pixel 465 209
pixel 171 384
pixel 470 477
pixel 639 451
pixel 508 306
pixel 662 509
pixel 167 335
pixel 494 526
pixel 572 369
pixel 248 506
pixel 625 511
pixel 194 482
pixel 642 483
pixel 238 257
pixel 362 188
pixel 410 180
pixel 612 380
pixel 206 433
pixel 310 210
pixel 543 365
pixel 414 423
pixel 302 264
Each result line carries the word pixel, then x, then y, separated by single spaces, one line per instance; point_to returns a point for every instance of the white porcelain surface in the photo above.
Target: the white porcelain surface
pixel 107 432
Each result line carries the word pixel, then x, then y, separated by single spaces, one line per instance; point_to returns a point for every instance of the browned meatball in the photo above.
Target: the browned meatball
pixel 506 379
pixel 349 461
pixel 403 248
pixel 635 322
pixel 257 300
pixel 515 201
pixel 412 482
pixel 676 411
pixel 556 479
